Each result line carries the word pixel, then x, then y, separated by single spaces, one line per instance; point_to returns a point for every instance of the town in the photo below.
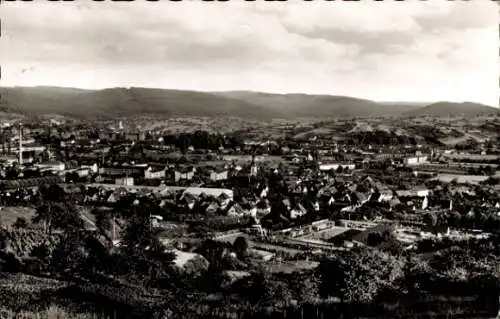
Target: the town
pixel 249 159
pixel 272 207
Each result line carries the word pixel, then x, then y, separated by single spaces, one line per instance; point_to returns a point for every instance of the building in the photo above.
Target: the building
pixel 219 176
pixel 51 166
pixel 151 173
pixel 415 160
pixel 122 171
pixel 92 168
pixel 186 174
pixel 261 254
pixel 335 166
pixel 125 181
pixel 216 192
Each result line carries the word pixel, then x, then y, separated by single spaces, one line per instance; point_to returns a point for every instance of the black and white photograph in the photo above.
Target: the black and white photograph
pixel 249 159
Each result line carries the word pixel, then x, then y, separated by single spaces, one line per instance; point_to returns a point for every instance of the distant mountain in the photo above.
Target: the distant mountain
pixel 454 109
pixel 134 102
pixel 124 102
pixel 305 105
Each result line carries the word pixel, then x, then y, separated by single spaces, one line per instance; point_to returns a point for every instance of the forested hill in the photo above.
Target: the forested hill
pixel 134 102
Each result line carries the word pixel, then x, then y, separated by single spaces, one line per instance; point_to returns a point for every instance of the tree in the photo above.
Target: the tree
pixel 103 222
pixel 455 219
pixel 492 181
pixel 214 252
pixel 69 254
pixel 265 290
pixel 430 219
pixel 359 275
pixel 41 252
pixel 305 287
pixel 58 216
pixel 53 193
pixel 3 239
pixel 240 245
pixel 20 223
pixel 143 255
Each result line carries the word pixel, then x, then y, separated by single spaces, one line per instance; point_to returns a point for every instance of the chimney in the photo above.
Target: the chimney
pixel 20 144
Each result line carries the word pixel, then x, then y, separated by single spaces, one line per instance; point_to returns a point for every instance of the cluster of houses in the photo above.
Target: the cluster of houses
pixel 279 183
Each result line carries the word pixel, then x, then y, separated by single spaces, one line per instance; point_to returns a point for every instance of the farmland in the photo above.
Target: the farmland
pixel 8 215
pixel 325 234
pixel 473 179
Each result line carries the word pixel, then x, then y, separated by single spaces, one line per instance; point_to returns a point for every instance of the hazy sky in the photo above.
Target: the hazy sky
pixel 410 50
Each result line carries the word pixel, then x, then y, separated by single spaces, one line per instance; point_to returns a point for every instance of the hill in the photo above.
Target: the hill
pixel 305 105
pixel 124 102
pixel 135 102
pixel 467 109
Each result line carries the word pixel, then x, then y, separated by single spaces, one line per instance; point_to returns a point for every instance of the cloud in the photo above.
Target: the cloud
pixel 380 50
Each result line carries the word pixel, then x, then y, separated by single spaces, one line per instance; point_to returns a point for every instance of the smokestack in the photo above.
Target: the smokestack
pixel 20 144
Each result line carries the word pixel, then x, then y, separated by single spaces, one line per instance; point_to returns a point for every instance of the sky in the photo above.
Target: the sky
pixel 385 51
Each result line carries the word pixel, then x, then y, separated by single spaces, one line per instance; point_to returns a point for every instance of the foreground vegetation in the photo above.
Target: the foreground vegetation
pixel 53 267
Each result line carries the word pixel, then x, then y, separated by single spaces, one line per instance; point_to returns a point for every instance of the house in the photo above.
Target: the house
pixel 415 160
pixel 385 195
pixel 224 200
pixel 361 198
pixel 297 211
pixel 261 254
pixel 82 172
pixel 111 198
pixel 422 191
pixel 216 192
pixel 264 192
pixel 219 176
pixel 212 208
pixel 394 202
pixel 335 166
pixel 184 175
pixel 125 170
pixel 316 206
pixel 262 208
pixel 125 181
pixel 92 168
pixel 188 200
pixel 151 173
pixel 234 209
pixel 362 237
pixel 51 166
pixel 419 191
pixel 156 220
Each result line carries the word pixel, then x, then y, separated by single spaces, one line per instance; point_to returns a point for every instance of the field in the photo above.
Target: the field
pixel 273 248
pixel 22 241
pixel 321 131
pixel 474 179
pixel 8 215
pixel 19 291
pixel 290 266
pixel 325 234
pixel 259 245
